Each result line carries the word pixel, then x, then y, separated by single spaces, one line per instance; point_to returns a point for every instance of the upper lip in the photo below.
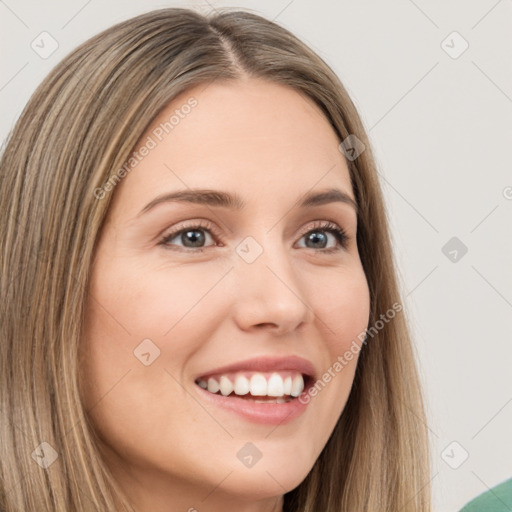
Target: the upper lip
pixel 267 364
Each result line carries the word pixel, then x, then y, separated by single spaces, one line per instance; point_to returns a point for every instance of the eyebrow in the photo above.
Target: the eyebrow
pixel 222 199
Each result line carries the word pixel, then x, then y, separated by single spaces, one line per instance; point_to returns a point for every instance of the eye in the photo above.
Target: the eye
pixel 192 237
pixel 316 236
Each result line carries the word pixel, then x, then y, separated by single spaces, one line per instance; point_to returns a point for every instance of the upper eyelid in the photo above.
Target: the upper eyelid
pixel 201 224
pixel 208 225
pixel 321 224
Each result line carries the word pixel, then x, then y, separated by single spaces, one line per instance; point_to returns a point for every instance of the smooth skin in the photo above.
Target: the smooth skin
pixel 168 449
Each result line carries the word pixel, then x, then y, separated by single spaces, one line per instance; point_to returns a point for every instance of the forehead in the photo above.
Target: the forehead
pixel 262 139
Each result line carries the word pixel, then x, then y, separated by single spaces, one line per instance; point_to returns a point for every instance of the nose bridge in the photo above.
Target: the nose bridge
pixel 268 289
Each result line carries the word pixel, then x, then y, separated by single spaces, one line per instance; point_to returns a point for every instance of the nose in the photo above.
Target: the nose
pixel 269 293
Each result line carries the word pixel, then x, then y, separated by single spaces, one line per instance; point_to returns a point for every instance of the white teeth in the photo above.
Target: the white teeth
pixel 275 385
pixel 241 385
pixel 226 386
pixel 297 385
pixel 287 386
pixel 213 385
pixel 258 385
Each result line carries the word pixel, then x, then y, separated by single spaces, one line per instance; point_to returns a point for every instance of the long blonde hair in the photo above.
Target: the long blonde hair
pixel 77 130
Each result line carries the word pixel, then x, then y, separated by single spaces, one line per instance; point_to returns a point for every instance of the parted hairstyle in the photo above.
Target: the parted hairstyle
pixel 77 130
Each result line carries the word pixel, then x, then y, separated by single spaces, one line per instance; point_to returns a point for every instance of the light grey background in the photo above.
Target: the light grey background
pixel 440 127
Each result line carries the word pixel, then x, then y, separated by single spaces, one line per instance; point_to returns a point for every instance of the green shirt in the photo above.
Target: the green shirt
pixel 497 499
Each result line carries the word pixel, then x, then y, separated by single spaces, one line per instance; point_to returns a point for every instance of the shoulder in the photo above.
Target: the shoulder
pixel 497 499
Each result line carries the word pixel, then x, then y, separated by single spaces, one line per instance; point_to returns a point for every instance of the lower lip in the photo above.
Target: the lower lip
pixel 267 414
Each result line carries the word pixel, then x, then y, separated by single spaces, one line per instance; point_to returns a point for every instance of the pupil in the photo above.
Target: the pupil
pixel 315 237
pixel 195 236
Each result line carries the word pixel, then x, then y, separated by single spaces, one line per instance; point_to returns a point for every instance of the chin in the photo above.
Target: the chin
pixel 273 474
pixel 257 484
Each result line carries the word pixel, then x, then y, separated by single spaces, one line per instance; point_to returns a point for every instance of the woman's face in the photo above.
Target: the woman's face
pixel 204 292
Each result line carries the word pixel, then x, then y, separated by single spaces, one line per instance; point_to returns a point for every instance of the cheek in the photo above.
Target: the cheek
pixel 137 302
pixel 129 304
pixel 343 305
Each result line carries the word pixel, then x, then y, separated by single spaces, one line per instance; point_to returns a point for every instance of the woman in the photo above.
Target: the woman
pixel 200 306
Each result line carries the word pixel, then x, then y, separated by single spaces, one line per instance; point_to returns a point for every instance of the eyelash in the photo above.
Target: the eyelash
pixel 340 235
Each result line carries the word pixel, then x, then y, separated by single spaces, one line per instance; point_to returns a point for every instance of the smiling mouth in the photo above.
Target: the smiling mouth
pixel 259 387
